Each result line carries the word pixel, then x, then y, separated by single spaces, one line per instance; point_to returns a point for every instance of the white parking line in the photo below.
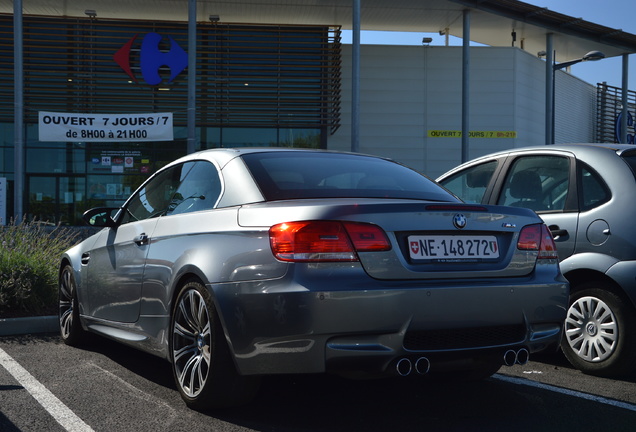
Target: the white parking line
pixel 587 396
pixel 60 412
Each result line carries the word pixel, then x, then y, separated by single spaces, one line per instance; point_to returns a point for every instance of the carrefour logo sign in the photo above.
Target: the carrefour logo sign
pixel 151 58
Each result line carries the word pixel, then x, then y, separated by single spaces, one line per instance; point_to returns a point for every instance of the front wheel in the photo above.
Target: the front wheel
pixel 600 333
pixel 201 361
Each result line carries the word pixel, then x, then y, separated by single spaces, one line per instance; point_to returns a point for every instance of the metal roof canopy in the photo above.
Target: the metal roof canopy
pixel 492 21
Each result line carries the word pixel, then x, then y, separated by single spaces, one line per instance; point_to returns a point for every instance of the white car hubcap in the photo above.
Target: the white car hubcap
pixel 591 329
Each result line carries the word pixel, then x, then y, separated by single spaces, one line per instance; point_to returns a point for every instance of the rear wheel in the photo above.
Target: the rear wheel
pixel 600 332
pixel 201 362
pixel 68 310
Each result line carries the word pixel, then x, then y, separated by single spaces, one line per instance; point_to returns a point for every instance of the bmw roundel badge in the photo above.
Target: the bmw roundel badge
pixel 459 220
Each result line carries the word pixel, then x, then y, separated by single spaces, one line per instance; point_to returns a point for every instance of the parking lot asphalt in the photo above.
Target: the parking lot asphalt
pixel 28 325
pixel 110 387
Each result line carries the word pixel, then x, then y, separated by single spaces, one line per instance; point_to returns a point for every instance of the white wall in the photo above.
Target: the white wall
pixel 407 91
pixel 392 108
pixel 575 108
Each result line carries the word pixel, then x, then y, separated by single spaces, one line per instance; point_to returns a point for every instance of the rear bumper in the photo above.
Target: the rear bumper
pixel 309 323
pixel 371 355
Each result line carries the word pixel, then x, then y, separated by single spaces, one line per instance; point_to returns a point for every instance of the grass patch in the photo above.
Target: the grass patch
pixel 29 258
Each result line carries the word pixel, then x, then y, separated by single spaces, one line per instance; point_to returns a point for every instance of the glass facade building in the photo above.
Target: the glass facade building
pixel 256 85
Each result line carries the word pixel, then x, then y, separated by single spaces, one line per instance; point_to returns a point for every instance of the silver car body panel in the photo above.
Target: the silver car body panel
pixel 113 278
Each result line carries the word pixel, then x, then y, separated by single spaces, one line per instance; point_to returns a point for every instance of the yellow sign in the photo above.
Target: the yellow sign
pixel 472 134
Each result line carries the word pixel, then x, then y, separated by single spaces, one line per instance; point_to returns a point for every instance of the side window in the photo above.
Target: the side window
pixel 154 197
pixel 470 184
pixel 540 183
pixel 200 190
pixel 593 191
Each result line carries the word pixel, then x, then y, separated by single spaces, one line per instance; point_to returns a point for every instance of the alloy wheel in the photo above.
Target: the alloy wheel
pixel 191 341
pixel 66 304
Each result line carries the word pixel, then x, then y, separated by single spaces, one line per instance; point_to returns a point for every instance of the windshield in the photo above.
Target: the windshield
pixel 292 175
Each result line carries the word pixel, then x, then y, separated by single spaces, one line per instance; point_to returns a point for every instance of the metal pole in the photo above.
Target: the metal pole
pixel 466 86
pixel 625 101
pixel 18 112
pixel 192 75
pixel 355 79
pixel 549 89
pixel 553 119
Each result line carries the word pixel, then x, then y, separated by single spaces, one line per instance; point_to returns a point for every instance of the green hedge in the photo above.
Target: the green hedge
pixel 29 259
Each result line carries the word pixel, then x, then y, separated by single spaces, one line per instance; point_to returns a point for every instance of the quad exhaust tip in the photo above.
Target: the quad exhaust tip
pixel 513 357
pixel 405 366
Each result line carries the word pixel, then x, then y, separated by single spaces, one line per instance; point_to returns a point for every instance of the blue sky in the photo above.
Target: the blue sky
pixel 618 14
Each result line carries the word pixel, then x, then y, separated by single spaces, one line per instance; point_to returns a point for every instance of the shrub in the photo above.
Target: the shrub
pixel 29 259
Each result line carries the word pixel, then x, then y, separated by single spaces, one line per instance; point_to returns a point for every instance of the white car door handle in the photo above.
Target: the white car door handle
pixel 141 239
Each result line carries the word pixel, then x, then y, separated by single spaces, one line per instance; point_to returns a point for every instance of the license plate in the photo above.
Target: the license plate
pixel 439 247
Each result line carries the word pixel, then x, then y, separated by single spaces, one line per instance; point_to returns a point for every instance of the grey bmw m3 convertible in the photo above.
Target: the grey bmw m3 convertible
pixel 237 263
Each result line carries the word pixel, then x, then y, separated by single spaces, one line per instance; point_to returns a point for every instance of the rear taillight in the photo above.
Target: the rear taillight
pixel 367 237
pixel 538 237
pixel 325 240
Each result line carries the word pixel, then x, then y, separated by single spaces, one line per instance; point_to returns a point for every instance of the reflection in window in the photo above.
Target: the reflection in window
pixel 55 160
pixel 154 197
pixel 595 192
pixel 282 175
pixel 199 191
pixel 248 137
pixel 470 185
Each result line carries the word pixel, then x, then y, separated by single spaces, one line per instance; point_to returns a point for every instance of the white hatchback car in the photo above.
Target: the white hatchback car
pixel 586 194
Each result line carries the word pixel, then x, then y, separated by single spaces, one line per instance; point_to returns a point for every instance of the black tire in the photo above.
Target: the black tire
pixel 599 336
pixel 71 330
pixel 202 365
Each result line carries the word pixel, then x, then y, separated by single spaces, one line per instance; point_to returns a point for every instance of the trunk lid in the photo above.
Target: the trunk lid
pixel 428 240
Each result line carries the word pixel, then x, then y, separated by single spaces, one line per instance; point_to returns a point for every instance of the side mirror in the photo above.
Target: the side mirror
pixel 100 217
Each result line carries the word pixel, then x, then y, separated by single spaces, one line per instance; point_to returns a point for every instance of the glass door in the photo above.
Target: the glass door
pixel 56 199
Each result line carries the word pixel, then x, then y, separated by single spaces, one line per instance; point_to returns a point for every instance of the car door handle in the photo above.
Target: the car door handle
pixel 557 232
pixel 141 239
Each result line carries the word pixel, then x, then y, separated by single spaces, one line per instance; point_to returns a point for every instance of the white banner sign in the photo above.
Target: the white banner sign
pixel 105 127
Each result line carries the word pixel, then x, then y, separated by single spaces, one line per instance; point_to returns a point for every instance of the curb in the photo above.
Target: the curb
pixel 29 325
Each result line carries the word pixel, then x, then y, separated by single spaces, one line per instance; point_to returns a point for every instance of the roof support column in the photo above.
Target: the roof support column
pixel 625 101
pixel 18 113
pixel 549 88
pixel 192 75
pixel 465 85
pixel 355 79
